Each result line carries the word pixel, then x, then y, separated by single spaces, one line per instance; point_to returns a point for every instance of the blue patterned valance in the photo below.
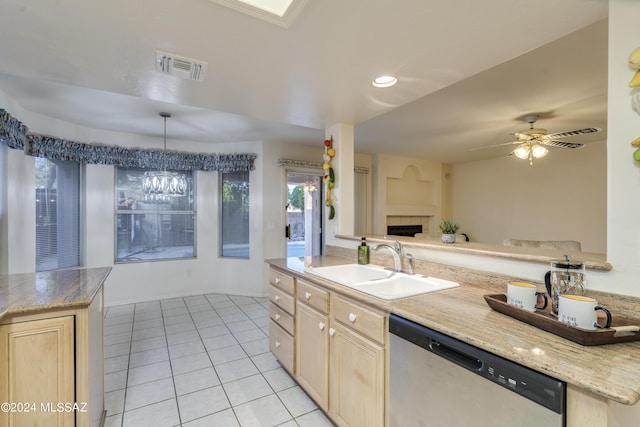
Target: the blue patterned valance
pixel 14 134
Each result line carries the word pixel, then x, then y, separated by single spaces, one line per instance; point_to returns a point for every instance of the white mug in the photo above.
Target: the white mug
pixel 581 312
pixel 525 296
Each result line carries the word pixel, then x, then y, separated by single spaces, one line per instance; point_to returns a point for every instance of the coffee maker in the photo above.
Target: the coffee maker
pixel 565 277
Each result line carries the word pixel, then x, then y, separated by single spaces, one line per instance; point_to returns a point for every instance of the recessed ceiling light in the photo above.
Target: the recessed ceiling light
pixel 384 81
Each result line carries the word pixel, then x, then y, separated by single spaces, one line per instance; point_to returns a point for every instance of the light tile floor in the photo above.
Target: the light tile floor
pixel 198 361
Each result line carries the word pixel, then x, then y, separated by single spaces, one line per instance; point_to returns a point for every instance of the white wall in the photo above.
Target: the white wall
pixel 623 189
pixel 560 197
pixel 7 208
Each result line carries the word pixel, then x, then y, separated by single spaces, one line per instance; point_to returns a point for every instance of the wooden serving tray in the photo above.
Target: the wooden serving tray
pixel 623 329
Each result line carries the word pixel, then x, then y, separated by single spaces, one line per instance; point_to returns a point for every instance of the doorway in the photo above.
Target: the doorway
pixel 304 214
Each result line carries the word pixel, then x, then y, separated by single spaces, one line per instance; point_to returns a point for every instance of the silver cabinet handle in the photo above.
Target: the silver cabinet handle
pixel 277 344
pixel 352 317
pixel 276 298
pixel 277 316
pixel 307 295
pixel 277 280
pixel 321 325
pixel 332 331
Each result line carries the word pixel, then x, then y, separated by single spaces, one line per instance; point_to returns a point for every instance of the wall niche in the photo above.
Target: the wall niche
pixel 408 188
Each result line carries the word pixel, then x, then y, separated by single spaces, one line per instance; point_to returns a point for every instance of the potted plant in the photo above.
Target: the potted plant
pixel 448 230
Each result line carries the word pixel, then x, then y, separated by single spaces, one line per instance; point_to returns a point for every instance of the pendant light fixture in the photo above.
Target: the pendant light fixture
pixel 159 186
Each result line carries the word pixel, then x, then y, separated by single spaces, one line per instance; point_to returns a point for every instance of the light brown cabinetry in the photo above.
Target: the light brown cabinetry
pixel 357 365
pixel 53 362
pixel 340 355
pixel 587 409
pixel 282 311
pixel 36 358
pixel 312 343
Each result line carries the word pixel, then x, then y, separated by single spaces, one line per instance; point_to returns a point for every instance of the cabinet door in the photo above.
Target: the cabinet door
pixel 281 345
pixel 37 359
pixel 357 379
pixel 312 353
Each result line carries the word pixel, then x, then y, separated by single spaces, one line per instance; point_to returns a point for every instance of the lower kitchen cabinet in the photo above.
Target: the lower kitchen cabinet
pixel 282 314
pixel 37 358
pixel 340 356
pixel 585 408
pixel 52 367
pixel 312 353
pixel 281 345
pixel 357 379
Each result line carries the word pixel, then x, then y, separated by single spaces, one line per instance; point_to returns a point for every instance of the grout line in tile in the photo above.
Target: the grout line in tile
pixel 175 303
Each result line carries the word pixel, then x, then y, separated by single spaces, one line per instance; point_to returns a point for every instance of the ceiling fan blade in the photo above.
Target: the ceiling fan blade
pixel 496 145
pixel 561 144
pixel 573 132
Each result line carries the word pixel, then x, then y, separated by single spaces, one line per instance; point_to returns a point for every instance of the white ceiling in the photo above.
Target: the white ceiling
pixel 467 70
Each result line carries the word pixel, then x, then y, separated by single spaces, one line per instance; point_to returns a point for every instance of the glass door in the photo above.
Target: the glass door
pixel 304 214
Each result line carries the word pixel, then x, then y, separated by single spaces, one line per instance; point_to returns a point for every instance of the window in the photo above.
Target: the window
pixel 57 214
pixel 235 214
pixel 149 230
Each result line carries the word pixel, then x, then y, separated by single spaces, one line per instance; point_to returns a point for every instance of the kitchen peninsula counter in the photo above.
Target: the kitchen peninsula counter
pixel 32 292
pixel 592 261
pixel 606 372
pixel 54 321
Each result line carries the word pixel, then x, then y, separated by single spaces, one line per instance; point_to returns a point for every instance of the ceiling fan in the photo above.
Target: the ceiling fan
pixel 532 142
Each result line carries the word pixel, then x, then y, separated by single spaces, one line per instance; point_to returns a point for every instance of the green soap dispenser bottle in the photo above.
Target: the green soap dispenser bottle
pixel 363 252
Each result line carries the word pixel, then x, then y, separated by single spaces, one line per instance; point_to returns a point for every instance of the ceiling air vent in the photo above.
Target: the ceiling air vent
pixel 180 66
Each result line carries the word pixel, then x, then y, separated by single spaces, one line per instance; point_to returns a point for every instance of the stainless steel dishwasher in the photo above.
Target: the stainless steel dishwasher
pixel 438 381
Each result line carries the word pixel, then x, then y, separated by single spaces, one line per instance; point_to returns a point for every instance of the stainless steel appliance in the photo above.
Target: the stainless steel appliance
pixel 436 380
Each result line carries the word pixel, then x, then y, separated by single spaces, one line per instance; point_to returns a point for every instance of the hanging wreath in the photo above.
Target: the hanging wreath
pixel 329 175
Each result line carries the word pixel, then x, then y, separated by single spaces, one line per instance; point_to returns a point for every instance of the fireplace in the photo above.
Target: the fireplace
pixel 404 230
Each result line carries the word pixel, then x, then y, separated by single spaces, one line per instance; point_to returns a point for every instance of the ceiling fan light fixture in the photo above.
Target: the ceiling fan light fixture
pixel 384 81
pixel 522 152
pixel 538 151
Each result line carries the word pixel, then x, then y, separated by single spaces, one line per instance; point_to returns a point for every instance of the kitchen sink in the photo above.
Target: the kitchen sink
pixel 402 285
pixel 348 274
pixel 379 282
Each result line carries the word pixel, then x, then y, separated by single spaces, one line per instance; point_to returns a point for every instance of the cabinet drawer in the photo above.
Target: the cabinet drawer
pixel 281 317
pixel 313 296
pixel 281 345
pixel 282 299
pixel 355 316
pixel 282 281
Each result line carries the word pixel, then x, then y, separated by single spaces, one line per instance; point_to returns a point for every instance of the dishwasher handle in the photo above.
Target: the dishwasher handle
pixel 449 353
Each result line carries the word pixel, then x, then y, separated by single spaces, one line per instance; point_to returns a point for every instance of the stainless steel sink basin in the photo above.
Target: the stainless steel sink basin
pixel 377 281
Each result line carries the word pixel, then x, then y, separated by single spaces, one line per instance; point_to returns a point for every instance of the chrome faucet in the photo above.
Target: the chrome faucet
pixel 410 259
pixel 396 250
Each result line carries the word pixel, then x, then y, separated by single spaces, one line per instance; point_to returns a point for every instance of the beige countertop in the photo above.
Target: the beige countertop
pixel 612 371
pixel 33 292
